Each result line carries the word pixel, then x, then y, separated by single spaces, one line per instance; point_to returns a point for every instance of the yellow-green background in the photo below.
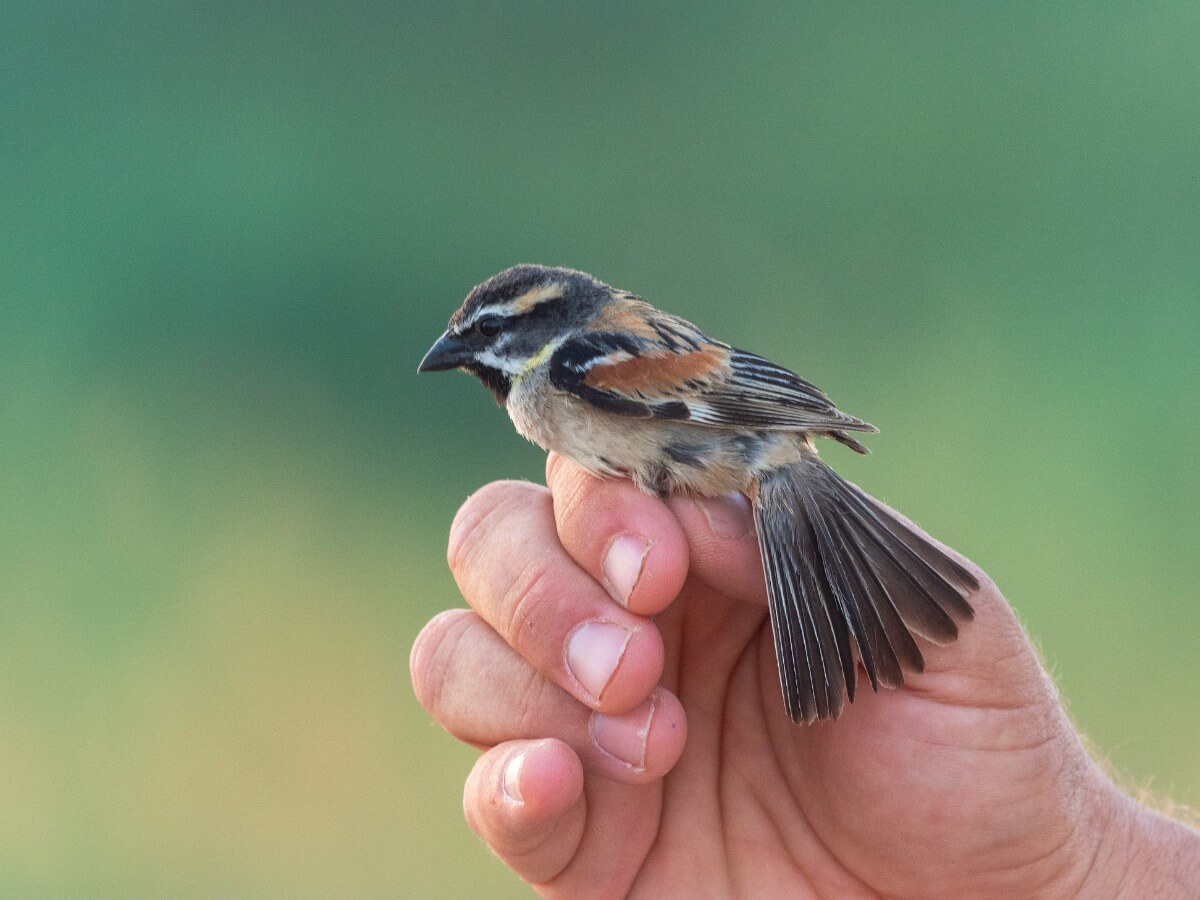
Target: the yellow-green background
pixel 228 231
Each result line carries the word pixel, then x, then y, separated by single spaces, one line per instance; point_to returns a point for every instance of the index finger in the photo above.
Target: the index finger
pixel 600 520
pixel 627 540
pixel 512 569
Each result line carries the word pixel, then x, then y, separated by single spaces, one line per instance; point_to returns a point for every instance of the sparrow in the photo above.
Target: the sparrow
pixel 626 390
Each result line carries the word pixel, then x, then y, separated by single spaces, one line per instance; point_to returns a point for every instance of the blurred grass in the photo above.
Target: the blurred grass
pixel 228 231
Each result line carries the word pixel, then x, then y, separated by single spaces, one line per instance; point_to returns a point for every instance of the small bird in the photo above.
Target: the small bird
pixel 625 390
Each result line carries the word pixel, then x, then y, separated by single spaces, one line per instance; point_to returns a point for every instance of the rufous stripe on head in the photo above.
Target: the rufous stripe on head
pixel 530 299
pixel 657 374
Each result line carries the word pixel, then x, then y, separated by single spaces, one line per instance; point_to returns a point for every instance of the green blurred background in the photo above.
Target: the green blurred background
pixel 229 230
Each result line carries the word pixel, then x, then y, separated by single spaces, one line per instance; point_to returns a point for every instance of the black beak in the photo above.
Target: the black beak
pixel 448 353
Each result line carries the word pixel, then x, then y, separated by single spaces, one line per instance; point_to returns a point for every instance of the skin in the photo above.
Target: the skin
pixel 968 782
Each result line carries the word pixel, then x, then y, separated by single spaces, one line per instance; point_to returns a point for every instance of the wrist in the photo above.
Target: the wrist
pixel 1139 852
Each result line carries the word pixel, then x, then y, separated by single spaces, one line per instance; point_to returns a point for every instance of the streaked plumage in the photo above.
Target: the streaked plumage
pixel 624 389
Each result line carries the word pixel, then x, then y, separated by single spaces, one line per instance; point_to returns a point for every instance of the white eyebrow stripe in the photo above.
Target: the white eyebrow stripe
pixel 466 324
pixel 495 309
pixel 492 310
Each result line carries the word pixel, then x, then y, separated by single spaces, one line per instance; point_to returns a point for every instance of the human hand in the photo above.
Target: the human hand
pixel 630 755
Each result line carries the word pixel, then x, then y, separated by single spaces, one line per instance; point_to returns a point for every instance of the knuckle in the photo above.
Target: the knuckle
pixel 526 601
pixel 434 654
pixel 477 517
pixel 532 700
pixel 584 513
pixel 578 516
pixel 572 490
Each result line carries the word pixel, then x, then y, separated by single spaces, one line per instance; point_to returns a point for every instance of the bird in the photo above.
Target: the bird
pixel 600 376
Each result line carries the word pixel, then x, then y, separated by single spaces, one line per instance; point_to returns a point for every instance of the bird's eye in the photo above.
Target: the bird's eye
pixel 489 326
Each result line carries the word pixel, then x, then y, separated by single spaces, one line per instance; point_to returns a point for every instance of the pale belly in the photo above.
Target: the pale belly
pixel 661 457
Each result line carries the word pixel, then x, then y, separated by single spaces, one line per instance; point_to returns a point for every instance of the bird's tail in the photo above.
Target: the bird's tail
pixel 843 573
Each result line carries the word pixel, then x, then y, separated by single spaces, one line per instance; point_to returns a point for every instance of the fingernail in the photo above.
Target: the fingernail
pixel 728 516
pixel 594 651
pixel 512 777
pixel 623 565
pixel 624 737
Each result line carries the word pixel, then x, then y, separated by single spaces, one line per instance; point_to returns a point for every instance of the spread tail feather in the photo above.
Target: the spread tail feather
pixel 844 573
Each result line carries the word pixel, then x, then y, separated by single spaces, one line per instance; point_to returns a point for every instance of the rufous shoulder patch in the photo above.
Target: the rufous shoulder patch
pixel 626 317
pixel 658 374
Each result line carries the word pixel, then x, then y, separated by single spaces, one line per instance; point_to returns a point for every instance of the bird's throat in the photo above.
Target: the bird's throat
pixel 493 379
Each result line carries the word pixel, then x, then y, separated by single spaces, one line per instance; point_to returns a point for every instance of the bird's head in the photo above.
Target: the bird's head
pixel 511 323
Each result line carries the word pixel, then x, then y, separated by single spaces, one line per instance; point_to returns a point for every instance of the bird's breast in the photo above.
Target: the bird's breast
pixel 660 456
pixel 554 420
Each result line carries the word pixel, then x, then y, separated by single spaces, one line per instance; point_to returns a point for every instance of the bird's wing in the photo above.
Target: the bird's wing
pixel 642 363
